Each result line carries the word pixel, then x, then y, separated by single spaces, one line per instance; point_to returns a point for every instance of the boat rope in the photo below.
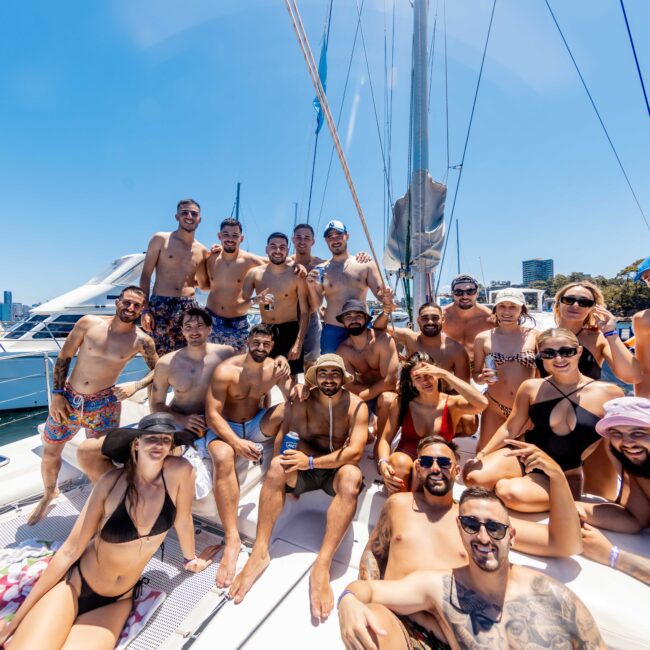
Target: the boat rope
pixel 329 403
pixel 326 40
pixel 432 49
pixel 444 14
pixel 374 107
pixel 600 119
pixel 299 29
pixel 461 166
pixel 338 119
pixel 636 60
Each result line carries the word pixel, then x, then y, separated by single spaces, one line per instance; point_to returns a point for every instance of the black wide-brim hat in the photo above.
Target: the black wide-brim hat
pixel 117 443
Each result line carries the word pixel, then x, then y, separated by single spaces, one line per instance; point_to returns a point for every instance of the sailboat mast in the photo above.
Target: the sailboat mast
pixel 237 202
pixel 420 150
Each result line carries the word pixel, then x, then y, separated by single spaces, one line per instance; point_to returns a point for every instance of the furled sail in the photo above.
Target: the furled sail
pixel 422 251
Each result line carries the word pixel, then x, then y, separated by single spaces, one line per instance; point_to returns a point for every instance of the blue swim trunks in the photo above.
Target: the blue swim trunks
pixel 229 331
pixel 249 430
pixel 331 337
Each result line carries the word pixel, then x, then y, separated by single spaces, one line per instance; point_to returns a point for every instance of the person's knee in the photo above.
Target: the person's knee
pixel 275 473
pixel 473 477
pixel 223 455
pixel 402 464
pixel 89 452
pixel 52 453
pixel 511 491
pixel 349 479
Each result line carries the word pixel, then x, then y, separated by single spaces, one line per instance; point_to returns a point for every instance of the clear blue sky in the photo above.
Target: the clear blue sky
pixel 112 111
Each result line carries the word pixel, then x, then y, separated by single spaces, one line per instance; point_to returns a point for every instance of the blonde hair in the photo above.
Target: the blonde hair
pixel 589 322
pixel 557 333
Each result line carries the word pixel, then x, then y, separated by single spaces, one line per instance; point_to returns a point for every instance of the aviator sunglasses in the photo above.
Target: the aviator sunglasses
pixel 472 525
pixel 564 352
pixel 582 302
pixel 464 292
pixel 427 461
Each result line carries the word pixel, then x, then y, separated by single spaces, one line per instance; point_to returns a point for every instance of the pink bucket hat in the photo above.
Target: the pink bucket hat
pixel 626 412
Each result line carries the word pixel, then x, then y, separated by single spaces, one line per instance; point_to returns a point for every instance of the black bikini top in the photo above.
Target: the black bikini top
pixel 566 449
pixel 119 528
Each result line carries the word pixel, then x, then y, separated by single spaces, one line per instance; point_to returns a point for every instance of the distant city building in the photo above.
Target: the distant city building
pixel 495 285
pixel 6 312
pixel 537 269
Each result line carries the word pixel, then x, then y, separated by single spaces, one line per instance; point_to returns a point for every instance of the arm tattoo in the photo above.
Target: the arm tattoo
pixel 375 555
pixel 60 374
pixel 149 352
pixel 547 616
pixel 634 565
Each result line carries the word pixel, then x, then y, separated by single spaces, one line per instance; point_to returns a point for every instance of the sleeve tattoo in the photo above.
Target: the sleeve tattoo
pixel 60 373
pixel 375 556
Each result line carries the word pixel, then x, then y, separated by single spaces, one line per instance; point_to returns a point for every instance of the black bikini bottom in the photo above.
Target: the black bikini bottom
pixel 89 599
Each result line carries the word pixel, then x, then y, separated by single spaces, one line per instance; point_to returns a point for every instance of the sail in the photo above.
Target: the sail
pixel 424 197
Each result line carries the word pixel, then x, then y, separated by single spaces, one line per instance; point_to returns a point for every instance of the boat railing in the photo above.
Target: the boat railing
pixel 46 328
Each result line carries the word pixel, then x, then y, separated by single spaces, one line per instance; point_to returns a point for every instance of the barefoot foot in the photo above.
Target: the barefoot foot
pixel 228 563
pixel 249 574
pixel 41 509
pixel 320 592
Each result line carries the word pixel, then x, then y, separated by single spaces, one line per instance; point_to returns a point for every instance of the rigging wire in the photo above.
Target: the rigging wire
pixel 326 40
pixel 338 119
pixel 461 166
pixel 432 49
pixel 636 60
pixel 600 119
pixel 444 14
pixel 305 48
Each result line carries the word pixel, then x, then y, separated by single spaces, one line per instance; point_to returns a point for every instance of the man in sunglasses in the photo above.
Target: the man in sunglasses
pixel 417 530
pixel 641 326
pixel 89 398
pixel 626 429
pixel 464 318
pixel 486 602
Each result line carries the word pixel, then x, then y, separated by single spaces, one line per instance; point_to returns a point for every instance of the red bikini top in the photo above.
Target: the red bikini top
pixel 410 438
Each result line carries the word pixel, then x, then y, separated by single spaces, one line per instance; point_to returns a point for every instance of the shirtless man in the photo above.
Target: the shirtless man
pixel 284 299
pixel 223 275
pixel 89 398
pixel 417 530
pixel 464 319
pixel 486 603
pixel 447 353
pixel 641 327
pixel 371 358
pixel 327 459
pixel 626 428
pixel 174 256
pixel 343 278
pixel 236 419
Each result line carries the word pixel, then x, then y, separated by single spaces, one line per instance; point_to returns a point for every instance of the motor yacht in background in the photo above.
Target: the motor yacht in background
pixel 29 349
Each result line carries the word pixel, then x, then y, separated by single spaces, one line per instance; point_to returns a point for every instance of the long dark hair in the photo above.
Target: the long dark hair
pixel 406 390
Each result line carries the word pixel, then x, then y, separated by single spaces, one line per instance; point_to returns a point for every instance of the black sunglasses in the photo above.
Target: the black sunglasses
pixel 464 292
pixel 427 461
pixel 564 352
pixel 582 302
pixel 472 525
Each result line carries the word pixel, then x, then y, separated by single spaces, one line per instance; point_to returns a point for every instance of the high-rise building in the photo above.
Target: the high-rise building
pixel 6 308
pixel 537 269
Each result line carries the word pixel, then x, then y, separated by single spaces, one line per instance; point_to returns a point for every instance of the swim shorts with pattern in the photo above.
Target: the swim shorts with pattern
pixel 166 310
pixel 96 412
pixel 229 331
pixel 418 637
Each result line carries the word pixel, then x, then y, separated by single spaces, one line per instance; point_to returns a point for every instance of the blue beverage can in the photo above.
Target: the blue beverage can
pixel 321 274
pixel 290 441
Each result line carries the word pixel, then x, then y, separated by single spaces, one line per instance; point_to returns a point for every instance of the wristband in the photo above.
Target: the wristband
pixel 344 593
pixel 610 333
pixel 186 561
pixel 613 556
pixel 311 462
pixel 380 461
pixel 58 391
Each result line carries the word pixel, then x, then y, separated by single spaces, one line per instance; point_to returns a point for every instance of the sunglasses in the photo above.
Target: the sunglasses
pixel 427 461
pixel 472 525
pixel 582 302
pixel 551 353
pixel 464 292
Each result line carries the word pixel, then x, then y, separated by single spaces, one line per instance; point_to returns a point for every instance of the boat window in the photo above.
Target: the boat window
pixel 22 328
pixel 59 328
pixel 124 270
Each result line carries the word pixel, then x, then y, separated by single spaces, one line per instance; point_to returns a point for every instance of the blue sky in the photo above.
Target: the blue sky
pixel 114 110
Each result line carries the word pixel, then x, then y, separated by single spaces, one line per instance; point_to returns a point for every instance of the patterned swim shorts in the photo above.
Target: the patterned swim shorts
pixel 96 412
pixel 229 331
pixel 418 637
pixel 165 310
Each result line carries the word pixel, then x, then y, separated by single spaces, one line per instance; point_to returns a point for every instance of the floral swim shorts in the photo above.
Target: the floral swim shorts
pixel 96 412
pixel 229 331
pixel 167 334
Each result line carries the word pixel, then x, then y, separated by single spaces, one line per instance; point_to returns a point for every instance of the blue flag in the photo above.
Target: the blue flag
pixel 322 73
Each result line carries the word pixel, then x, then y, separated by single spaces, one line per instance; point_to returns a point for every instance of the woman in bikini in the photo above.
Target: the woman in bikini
pixel 421 410
pixel 563 409
pixel 512 346
pixel 580 308
pixel 85 595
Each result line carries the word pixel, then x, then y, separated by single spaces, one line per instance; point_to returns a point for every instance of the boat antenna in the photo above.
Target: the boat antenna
pixel 480 261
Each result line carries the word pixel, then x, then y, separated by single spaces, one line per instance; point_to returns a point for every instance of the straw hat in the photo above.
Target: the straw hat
pixel 328 361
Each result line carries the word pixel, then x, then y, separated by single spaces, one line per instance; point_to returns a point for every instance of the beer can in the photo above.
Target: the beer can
pixel 490 364
pixel 269 306
pixel 260 447
pixel 321 274
pixel 290 441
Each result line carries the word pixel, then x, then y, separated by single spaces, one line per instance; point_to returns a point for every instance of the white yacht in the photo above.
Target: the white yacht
pixel 29 349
